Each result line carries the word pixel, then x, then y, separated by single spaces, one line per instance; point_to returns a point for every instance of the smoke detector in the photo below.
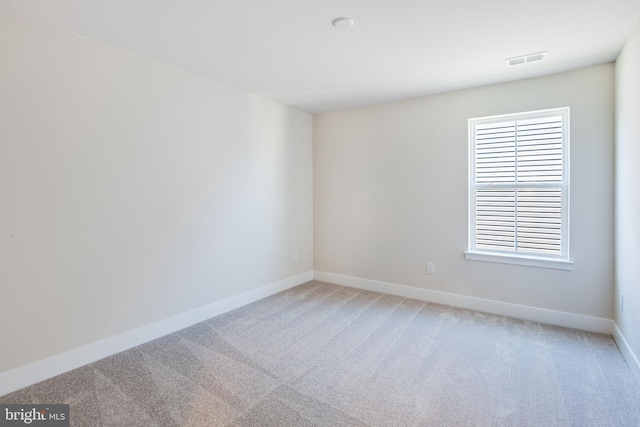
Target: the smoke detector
pixel 526 59
pixel 343 23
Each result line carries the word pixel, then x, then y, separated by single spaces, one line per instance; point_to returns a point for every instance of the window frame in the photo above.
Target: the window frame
pixel 559 261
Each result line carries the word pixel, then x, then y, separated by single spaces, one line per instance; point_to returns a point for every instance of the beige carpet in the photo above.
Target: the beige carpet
pixel 326 355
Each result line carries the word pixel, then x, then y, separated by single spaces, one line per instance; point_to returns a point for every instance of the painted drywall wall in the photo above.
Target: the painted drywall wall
pixel 627 198
pixel 131 192
pixel 390 193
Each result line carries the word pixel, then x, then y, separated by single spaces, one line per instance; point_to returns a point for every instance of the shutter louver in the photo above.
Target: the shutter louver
pixel 540 150
pixel 519 178
pixel 495 153
pixel 539 220
pixel 495 219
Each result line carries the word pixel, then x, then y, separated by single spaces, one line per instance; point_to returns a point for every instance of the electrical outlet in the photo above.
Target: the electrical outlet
pixel 430 268
pixel 295 257
pixel 621 302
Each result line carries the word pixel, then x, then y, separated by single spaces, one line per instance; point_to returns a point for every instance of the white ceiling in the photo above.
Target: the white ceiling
pixel 288 51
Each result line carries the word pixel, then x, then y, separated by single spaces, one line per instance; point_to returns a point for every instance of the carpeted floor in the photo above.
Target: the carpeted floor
pixel 326 355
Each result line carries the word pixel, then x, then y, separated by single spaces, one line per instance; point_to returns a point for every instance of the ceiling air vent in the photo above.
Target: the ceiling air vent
pixel 526 59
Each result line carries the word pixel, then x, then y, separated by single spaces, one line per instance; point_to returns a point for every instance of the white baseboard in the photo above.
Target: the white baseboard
pixel 625 349
pixel 560 318
pixel 16 379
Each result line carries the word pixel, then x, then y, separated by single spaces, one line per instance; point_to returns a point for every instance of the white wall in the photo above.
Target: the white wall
pixel 131 192
pixel 627 162
pixel 390 193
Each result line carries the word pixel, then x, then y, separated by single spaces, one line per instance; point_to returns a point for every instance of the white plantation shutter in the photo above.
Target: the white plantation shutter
pixel 519 184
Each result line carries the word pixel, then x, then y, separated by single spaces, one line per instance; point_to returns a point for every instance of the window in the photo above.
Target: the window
pixel 519 189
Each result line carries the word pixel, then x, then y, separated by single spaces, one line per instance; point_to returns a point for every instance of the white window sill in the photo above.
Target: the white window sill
pixel 531 261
